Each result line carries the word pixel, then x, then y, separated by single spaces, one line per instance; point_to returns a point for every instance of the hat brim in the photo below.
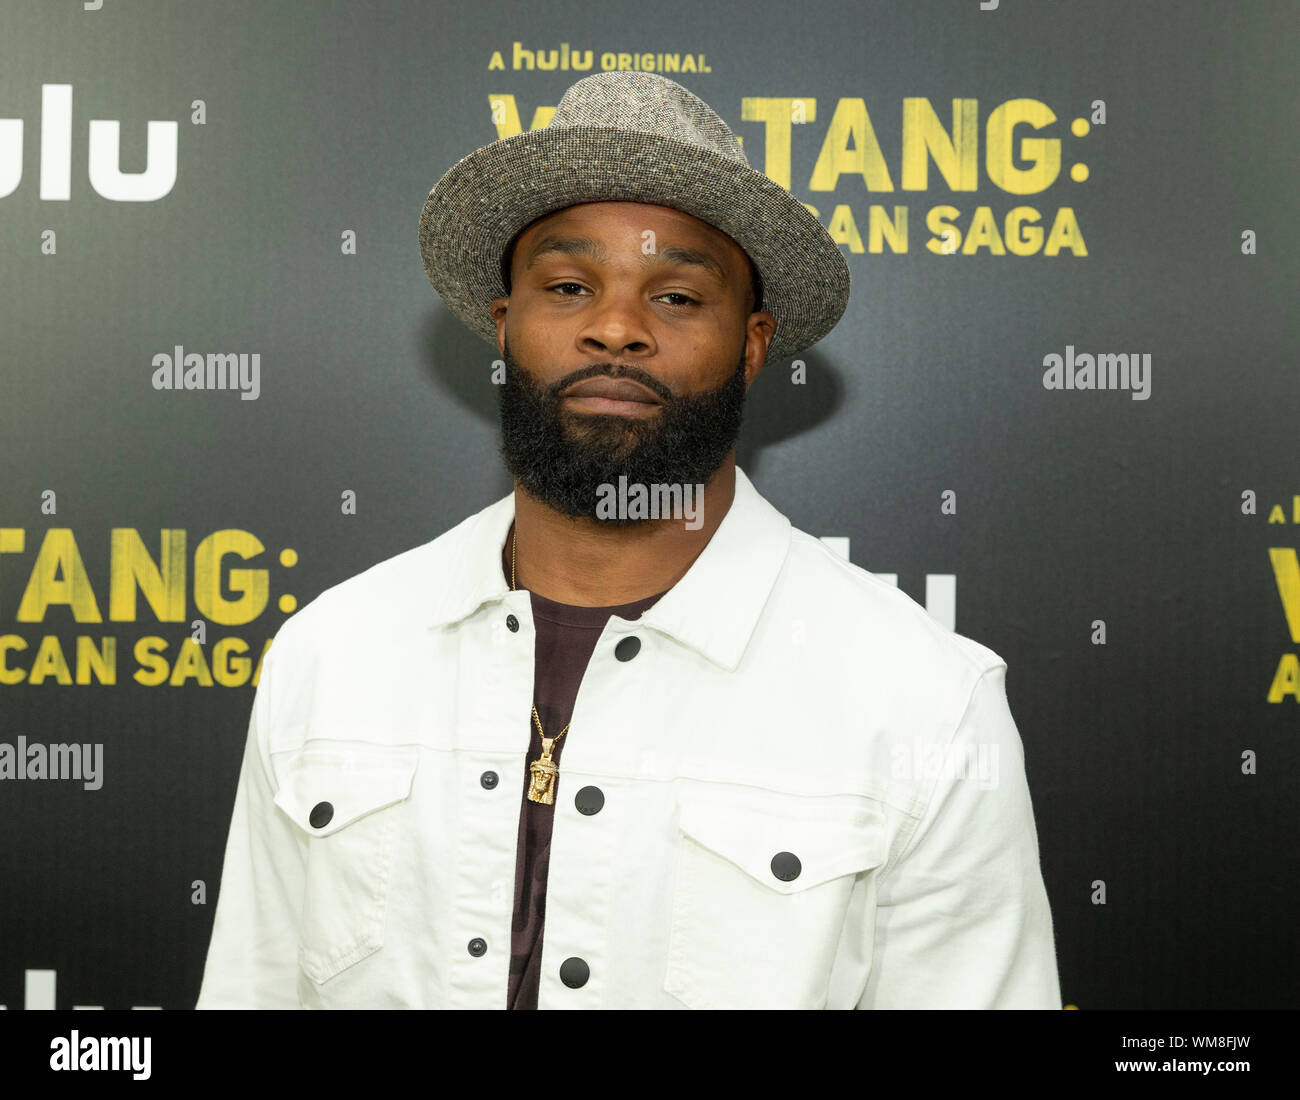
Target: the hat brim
pixel 484 200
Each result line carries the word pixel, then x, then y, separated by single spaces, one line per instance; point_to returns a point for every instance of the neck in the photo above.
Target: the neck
pixel 590 563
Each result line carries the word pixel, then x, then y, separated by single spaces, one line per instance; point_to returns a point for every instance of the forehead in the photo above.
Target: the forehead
pixel 614 222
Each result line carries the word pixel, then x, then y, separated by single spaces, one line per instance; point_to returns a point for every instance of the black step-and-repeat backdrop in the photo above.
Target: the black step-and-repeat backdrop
pixel 1060 413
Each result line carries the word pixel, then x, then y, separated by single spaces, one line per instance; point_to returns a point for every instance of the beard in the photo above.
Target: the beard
pixel 562 457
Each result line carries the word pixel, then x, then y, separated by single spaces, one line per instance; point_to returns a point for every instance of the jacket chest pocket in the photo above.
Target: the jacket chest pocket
pixel 761 897
pixel 349 803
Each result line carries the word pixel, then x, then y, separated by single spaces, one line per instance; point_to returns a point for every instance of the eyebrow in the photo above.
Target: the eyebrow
pixel 585 246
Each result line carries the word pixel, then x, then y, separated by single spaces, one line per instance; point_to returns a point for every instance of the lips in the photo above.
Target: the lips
pixel 615 389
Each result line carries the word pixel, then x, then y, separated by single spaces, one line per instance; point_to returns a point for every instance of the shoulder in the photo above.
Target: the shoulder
pixel 891 683
pixel 390 595
pixel 875 624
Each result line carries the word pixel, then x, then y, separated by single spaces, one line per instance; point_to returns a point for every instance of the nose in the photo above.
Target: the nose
pixel 616 326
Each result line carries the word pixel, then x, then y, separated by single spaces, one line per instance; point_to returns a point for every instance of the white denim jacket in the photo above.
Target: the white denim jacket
pixel 813 796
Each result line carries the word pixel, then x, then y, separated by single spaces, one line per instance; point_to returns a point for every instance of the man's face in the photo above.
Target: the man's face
pixel 645 295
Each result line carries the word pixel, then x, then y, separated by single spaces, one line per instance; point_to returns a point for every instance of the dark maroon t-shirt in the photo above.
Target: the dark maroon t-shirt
pixel 566 638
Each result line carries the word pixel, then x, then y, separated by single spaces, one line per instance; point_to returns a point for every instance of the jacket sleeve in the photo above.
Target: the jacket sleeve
pixel 252 959
pixel 962 917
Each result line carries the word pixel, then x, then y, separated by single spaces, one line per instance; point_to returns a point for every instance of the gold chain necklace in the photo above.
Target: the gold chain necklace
pixel 541 787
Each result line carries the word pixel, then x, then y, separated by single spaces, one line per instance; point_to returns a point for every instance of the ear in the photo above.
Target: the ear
pixel 497 307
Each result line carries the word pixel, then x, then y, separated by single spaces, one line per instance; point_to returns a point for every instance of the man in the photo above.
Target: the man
pixel 736 787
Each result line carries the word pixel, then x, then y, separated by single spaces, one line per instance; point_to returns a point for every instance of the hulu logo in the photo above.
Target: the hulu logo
pixel 103 154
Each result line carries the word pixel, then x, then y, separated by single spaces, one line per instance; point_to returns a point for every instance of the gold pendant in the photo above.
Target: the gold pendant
pixel 541 787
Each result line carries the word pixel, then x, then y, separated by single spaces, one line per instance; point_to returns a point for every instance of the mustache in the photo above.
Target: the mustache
pixel 609 370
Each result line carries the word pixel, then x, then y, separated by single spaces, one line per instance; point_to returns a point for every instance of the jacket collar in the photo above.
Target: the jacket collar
pixel 713 609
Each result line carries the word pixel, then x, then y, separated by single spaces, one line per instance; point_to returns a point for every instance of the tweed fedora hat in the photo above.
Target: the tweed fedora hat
pixel 630 137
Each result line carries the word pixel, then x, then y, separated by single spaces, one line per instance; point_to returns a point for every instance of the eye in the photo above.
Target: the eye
pixel 686 299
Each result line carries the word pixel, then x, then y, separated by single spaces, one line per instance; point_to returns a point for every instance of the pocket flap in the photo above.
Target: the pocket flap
pixel 326 789
pixel 827 841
